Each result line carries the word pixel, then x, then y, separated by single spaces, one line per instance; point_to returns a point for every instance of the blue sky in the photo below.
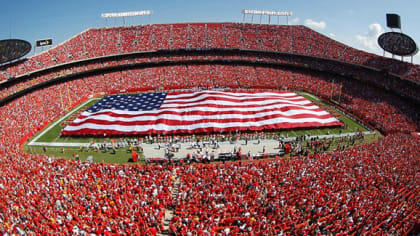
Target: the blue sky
pixel 356 22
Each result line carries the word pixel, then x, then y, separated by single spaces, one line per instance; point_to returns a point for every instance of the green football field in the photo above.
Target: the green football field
pixel 66 147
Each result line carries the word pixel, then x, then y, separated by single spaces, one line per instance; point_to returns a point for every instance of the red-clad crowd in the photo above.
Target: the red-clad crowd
pixel 295 39
pixel 97 42
pixel 362 190
pixel 366 189
pixel 49 196
pixel 192 76
pixel 39 195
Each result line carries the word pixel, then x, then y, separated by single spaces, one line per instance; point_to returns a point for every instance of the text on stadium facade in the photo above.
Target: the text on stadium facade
pixel 126 14
pixel 268 13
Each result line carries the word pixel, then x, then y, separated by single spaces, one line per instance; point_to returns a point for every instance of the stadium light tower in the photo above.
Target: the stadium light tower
pixel 266 13
pixel 127 14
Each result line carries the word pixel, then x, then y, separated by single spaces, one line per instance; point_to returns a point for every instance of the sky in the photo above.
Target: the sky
pixel 356 23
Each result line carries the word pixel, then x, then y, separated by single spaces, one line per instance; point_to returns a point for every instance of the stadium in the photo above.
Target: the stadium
pixel 297 134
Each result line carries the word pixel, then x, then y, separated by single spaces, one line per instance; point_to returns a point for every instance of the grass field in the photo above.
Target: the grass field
pixel 53 135
pixel 122 155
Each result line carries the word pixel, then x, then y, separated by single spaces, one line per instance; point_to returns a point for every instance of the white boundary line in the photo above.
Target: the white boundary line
pixel 33 141
pixel 312 96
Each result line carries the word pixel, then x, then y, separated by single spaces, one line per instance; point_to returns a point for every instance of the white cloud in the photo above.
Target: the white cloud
pixel 416 59
pixel 369 41
pixel 294 21
pixel 317 25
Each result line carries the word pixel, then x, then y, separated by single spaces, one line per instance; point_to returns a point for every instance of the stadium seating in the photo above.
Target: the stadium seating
pixel 292 39
pixel 360 73
pixel 367 189
pixel 342 192
pixel 46 196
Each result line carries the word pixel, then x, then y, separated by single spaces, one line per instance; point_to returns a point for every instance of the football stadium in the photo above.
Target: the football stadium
pixel 209 128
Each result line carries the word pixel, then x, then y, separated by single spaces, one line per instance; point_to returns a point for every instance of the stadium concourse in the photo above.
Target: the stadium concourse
pixel 370 189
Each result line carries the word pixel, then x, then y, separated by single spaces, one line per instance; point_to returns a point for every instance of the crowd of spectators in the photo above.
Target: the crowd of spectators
pixel 41 195
pixel 281 38
pixel 56 198
pixel 365 189
pixel 295 39
pixel 182 72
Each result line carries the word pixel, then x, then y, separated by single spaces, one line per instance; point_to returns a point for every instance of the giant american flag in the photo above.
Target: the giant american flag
pixel 198 112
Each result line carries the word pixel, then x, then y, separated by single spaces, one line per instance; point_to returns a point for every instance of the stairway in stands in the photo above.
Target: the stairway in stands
pixel 169 212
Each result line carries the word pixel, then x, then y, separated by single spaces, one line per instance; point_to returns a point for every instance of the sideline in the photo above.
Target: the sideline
pixel 225 144
pixel 33 141
pixel 310 95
